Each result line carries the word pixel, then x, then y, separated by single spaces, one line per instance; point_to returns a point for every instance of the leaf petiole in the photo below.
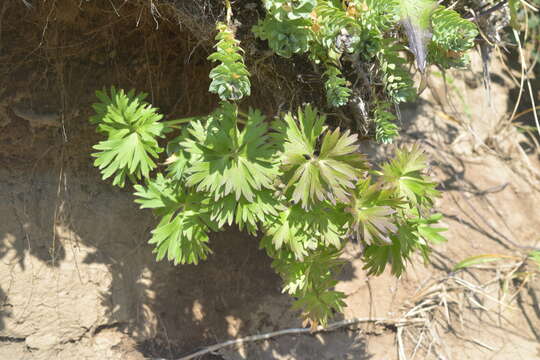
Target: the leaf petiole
pixel 171 123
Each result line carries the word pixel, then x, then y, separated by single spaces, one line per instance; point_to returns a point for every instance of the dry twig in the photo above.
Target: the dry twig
pixel 399 323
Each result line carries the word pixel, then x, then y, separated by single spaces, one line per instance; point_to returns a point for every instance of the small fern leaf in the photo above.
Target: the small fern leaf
pixel 337 91
pixel 230 79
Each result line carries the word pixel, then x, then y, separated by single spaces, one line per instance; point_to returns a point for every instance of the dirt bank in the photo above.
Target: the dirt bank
pixel 77 279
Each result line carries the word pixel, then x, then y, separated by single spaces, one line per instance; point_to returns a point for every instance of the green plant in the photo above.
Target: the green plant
pixel 299 181
pixel 230 79
pixel 341 34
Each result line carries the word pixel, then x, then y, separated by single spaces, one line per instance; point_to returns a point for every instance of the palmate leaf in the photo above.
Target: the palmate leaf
pixel 377 257
pixel 132 127
pixel 312 281
pixel 178 159
pixel 372 209
pixel 226 160
pixel 291 230
pixel 318 173
pixel 245 214
pixel 319 306
pixel 396 254
pixel 162 195
pixel 413 235
pixel 404 173
pixel 182 236
pixel 304 231
pixel 105 101
pixel 425 230
pixel 182 233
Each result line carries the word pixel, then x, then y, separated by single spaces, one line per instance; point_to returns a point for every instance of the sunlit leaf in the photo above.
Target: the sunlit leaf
pixel 182 233
pixel 318 164
pixel 132 128
pixel 226 160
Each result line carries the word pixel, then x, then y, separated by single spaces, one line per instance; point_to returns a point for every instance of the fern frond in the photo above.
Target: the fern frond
pixel 378 15
pixel 337 91
pixel 385 127
pixel 230 79
pixel 451 31
pixel 398 83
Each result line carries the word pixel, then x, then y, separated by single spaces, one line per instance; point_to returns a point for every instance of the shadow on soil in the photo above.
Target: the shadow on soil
pixel 178 309
pixel 54 208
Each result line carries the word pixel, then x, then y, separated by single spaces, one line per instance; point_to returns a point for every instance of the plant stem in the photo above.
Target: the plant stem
pixel 171 123
pixel 243 114
pixel 229 11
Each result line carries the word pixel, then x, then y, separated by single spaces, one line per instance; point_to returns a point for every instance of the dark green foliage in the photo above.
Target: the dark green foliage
pixel 385 127
pixel 398 83
pixel 451 31
pixel 286 26
pixel 452 37
pixel 337 92
pixel 363 31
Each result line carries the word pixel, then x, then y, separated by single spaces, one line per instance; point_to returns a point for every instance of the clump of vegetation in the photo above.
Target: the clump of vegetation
pixel 300 182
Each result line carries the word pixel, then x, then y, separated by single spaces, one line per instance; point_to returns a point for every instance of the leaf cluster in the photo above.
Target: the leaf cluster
pixel 340 34
pixel 132 127
pixel 302 184
pixel 453 36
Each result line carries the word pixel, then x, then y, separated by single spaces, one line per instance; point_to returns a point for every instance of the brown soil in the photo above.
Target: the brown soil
pixel 77 279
